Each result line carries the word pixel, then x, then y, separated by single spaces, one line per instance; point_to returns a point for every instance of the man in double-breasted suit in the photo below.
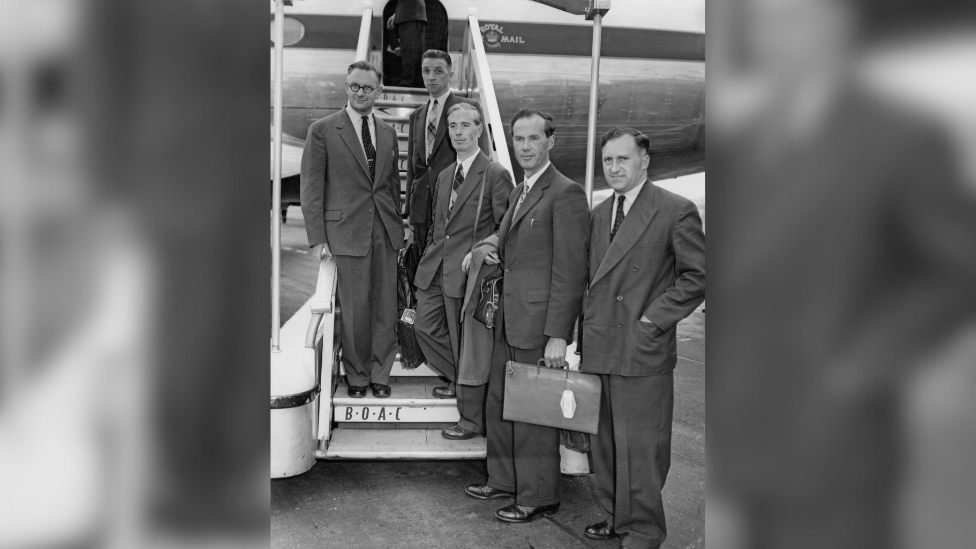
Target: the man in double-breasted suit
pixel 471 183
pixel 647 272
pixel 542 244
pixel 429 149
pixel 350 193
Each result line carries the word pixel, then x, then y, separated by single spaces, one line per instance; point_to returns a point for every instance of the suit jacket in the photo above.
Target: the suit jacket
pixel 410 10
pixel 544 252
pixel 452 236
pixel 655 267
pixel 338 198
pixel 422 174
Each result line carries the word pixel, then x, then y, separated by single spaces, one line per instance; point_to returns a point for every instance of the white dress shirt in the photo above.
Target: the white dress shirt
pixel 440 105
pixel 466 163
pixel 629 198
pixel 357 120
pixel 535 177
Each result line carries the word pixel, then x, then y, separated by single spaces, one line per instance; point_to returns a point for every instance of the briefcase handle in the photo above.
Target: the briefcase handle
pixel 542 363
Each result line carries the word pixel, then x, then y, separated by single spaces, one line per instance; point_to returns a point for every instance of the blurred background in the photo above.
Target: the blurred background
pixel 134 299
pixel 842 256
pixel 133 274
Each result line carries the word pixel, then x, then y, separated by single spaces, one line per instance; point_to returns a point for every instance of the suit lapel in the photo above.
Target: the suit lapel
pixel 347 129
pixel 472 181
pixel 634 225
pixel 535 194
pixel 442 125
pixel 383 146
pixel 419 129
pixel 601 235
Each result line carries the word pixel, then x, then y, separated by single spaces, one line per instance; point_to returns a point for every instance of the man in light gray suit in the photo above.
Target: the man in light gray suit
pixel 350 195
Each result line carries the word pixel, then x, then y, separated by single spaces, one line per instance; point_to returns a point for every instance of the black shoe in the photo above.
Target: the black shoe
pixel 357 392
pixel 379 390
pixel 601 531
pixel 483 491
pixel 456 432
pixel 444 392
pixel 520 513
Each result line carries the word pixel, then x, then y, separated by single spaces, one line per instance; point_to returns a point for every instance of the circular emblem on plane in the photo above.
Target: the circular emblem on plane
pixel 294 31
pixel 492 34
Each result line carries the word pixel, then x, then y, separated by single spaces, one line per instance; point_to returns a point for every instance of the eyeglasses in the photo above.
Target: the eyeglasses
pixel 356 87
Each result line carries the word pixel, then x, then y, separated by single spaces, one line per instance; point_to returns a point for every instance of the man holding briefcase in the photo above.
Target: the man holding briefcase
pixel 647 272
pixel 542 243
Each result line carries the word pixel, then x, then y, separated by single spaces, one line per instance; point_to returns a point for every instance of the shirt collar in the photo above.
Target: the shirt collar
pixel 355 116
pixel 535 177
pixel 631 195
pixel 467 162
pixel 440 100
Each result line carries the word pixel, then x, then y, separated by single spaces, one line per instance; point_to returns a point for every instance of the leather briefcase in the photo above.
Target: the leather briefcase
pixel 552 397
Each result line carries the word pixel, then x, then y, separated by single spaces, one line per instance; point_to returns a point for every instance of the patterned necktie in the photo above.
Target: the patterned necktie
pixel 370 150
pixel 458 179
pixel 433 116
pixel 525 191
pixel 619 218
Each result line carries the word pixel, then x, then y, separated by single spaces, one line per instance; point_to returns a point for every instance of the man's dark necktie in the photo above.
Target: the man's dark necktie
pixel 458 179
pixel 432 119
pixel 370 150
pixel 619 218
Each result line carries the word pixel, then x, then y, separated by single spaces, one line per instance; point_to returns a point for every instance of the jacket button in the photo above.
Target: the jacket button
pixel 508 270
pixel 635 269
pixel 448 237
pixel 620 325
pixel 620 298
pixel 371 210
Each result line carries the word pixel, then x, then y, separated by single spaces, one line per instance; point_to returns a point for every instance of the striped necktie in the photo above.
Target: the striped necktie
pixel 619 218
pixel 458 180
pixel 525 191
pixel 370 150
pixel 433 116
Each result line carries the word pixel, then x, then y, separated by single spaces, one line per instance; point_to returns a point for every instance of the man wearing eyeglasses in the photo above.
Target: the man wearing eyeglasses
pixel 350 192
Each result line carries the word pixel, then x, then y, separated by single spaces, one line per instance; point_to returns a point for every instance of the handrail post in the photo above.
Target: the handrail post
pixel 276 182
pixel 594 103
pixel 486 86
pixel 362 47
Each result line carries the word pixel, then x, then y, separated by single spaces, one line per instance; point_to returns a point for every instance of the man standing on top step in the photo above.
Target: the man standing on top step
pixel 410 20
pixel 429 149
pixel 350 196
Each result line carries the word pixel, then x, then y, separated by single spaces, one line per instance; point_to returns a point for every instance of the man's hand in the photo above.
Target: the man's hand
pixel 466 263
pixel 555 353
pixel 323 251
pixel 492 258
pixel 389 22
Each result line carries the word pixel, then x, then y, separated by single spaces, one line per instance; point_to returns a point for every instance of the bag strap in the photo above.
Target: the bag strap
pixel 481 199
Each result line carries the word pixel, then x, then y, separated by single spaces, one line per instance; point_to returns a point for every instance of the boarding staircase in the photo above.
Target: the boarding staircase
pixel 408 424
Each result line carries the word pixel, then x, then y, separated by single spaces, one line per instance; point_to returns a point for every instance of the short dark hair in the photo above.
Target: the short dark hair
pixel 365 66
pixel 437 54
pixel 643 142
pixel 462 106
pixel 526 113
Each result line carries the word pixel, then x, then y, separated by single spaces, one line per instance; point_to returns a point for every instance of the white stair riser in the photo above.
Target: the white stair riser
pixel 395 414
pixel 399 371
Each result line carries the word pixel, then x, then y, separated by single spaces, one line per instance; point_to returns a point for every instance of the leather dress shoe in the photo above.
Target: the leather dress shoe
pixel 444 392
pixel 380 390
pixel 483 491
pixel 456 432
pixel 520 513
pixel 357 392
pixel 601 531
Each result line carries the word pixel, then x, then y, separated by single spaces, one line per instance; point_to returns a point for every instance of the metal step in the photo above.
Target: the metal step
pixel 397 103
pixel 400 444
pixel 412 400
